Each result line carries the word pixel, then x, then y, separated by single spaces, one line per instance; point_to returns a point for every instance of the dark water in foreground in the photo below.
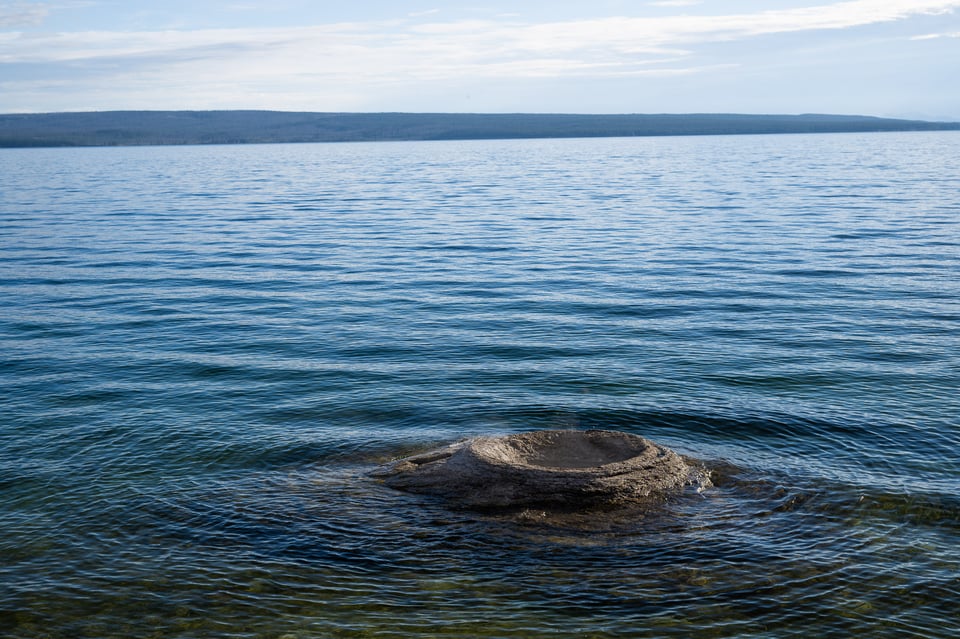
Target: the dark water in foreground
pixel 204 349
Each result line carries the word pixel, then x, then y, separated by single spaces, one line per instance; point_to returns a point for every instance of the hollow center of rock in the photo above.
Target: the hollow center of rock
pixel 576 450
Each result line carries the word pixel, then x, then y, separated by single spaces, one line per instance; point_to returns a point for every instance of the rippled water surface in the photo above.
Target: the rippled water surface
pixel 204 350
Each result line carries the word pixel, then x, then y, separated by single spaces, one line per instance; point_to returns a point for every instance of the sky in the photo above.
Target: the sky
pixel 894 58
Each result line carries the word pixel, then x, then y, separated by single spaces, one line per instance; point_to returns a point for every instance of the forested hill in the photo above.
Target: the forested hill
pixel 111 128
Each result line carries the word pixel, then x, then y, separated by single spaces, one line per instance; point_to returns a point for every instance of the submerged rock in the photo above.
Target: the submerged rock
pixel 561 468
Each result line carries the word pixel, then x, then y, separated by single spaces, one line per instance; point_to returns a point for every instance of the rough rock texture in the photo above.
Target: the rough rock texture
pixel 565 468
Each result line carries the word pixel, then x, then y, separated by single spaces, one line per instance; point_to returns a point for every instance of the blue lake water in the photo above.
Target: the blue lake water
pixel 204 350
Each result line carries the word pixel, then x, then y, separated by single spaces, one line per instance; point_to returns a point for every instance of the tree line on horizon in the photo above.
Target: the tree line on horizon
pixel 129 128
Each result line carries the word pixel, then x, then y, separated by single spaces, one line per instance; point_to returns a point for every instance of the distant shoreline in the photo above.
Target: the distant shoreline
pixel 142 128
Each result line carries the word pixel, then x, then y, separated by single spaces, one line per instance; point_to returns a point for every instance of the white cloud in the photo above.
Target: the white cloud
pixel 676 3
pixel 21 14
pixel 352 59
pixel 478 39
pixel 936 36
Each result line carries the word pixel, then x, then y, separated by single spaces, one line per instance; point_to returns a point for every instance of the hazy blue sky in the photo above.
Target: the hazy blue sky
pixel 879 57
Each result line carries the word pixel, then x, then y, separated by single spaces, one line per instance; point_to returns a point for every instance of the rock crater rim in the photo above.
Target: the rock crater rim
pixel 567 468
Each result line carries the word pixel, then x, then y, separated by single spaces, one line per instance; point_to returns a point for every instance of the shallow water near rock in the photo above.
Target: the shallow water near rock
pixel 206 350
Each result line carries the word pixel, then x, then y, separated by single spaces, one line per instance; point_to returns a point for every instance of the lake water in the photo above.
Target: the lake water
pixel 204 351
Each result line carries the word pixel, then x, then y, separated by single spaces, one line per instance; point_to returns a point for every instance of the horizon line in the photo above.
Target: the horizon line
pixel 491 113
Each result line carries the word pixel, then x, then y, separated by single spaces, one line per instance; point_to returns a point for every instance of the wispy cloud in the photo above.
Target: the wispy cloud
pixel 21 14
pixel 420 49
pixel 675 3
pixel 937 36
pixel 475 39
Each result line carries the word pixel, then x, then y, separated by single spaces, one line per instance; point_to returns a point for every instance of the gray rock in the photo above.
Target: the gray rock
pixel 563 468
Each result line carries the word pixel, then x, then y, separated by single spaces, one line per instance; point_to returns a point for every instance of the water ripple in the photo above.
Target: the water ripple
pixel 205 350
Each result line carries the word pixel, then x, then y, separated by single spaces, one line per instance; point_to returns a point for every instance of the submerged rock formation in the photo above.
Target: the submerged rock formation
pixel 560 468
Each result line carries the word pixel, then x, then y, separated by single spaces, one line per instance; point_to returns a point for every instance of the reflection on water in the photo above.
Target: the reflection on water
pixel 205 350
pixel 323 550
